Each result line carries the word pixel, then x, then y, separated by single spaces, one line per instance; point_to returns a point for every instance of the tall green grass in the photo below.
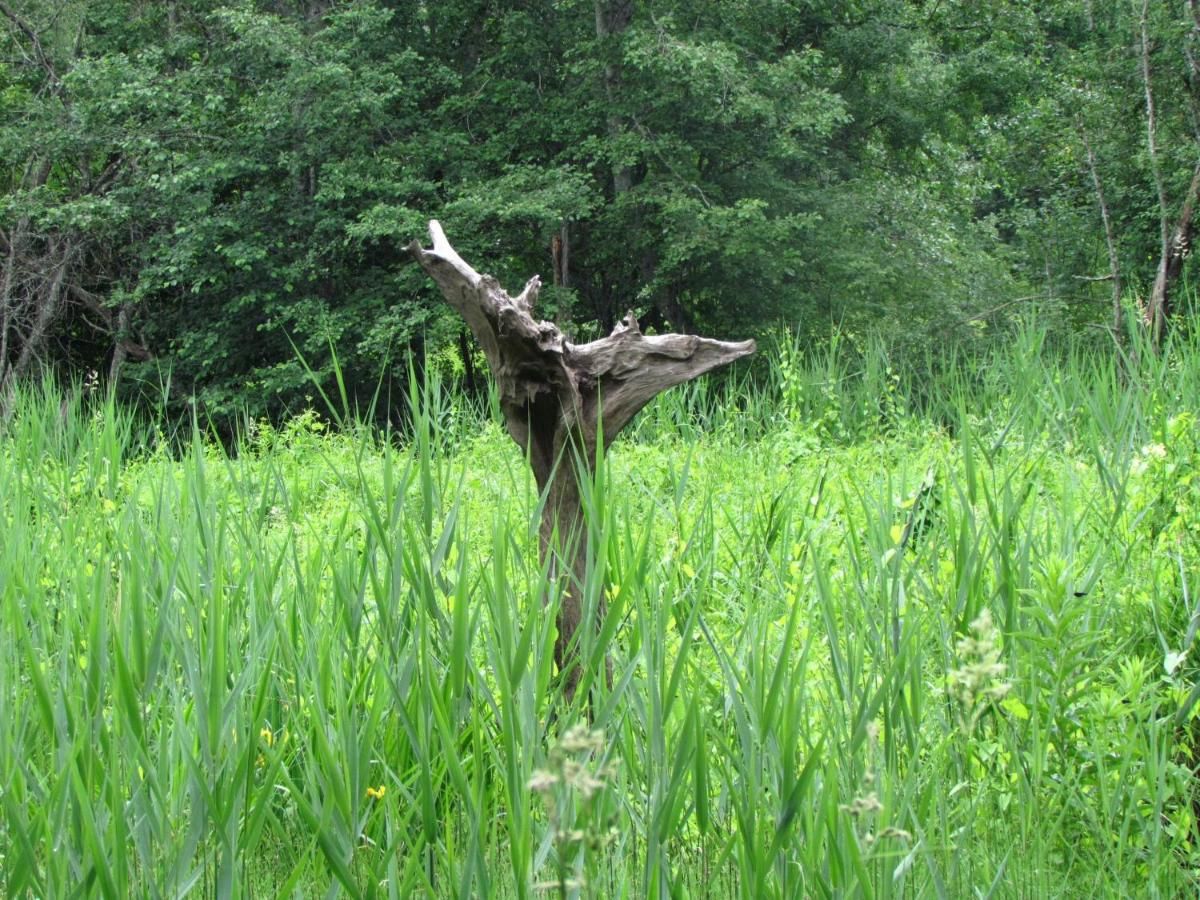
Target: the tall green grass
pixel 872 634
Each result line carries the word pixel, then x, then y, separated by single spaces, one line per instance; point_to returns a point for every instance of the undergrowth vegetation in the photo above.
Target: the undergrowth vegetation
pixel 871 635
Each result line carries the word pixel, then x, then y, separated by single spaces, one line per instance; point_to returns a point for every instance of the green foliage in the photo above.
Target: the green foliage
pixel 237 180
pixel 937 645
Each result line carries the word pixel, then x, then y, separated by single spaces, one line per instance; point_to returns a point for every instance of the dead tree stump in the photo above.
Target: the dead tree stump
pixel 555 397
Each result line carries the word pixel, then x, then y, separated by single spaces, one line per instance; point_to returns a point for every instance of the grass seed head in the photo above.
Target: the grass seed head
pixel 978 681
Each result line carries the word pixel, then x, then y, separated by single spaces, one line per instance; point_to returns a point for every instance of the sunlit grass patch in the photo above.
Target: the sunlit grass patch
pixel 928 649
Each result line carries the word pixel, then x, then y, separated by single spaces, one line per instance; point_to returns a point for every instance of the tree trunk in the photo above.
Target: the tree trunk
pixel 45 305
pixel 1110 241
pixel 1193 77
pixel 1152 131
pixel 1175 241
pixel 464 352
pixel 1158 310
pixel 560 256
pixel 124 346
pixel 612 18
pixel 563 403
pixel 15 304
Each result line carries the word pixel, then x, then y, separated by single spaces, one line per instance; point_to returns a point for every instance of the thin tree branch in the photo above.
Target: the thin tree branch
pixel 1110 242
pixel 35 41
pixel 1152 130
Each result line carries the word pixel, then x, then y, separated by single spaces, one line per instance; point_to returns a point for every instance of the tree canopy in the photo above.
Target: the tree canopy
pixel 222 191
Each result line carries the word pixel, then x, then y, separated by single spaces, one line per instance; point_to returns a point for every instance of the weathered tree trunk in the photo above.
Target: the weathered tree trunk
pixel 1158 309
pixel 562 402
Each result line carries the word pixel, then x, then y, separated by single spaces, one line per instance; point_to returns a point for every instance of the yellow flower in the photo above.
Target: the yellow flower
pixel 377 793
pixel 268 737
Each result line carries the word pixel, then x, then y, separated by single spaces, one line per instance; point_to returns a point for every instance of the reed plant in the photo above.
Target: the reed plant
pixel 873 633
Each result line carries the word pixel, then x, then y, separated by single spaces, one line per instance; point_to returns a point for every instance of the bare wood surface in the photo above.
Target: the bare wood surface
pixel 554 394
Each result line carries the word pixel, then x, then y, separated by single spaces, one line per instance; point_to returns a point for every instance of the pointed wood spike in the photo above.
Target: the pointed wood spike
pixel 527 299
pixel 627 325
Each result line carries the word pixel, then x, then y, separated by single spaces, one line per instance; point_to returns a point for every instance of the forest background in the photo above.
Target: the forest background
pixel 216 196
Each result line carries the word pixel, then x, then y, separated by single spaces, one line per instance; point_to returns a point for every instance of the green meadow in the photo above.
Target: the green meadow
pixel 872 633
